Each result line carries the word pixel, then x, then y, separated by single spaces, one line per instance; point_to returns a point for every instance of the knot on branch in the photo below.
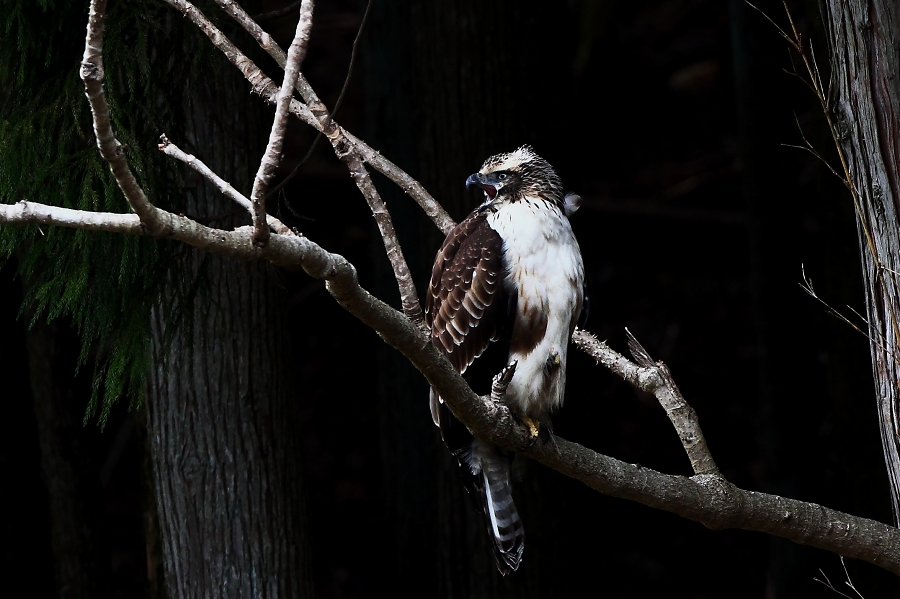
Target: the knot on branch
pixel 91 71
pixel 719 498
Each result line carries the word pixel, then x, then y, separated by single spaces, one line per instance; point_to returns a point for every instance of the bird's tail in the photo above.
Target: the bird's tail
pixel 490 470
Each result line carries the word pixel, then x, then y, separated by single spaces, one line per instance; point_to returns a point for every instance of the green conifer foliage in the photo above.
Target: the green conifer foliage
pixel 105 283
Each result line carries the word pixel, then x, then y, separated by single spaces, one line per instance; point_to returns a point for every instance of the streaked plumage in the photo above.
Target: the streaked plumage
pixel 510 275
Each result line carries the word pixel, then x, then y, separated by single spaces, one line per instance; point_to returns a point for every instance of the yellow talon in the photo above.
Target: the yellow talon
pixel 533 426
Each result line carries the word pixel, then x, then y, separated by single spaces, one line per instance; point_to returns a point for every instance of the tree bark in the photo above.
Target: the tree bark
pixel 74 495
pixel 863 37
pixel 222 422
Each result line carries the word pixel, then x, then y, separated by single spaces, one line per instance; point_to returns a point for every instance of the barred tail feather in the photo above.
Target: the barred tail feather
pixel 490 469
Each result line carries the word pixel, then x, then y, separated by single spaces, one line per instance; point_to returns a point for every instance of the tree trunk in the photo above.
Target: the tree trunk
pixel 74 496
pixel 222 419
pixel 863 37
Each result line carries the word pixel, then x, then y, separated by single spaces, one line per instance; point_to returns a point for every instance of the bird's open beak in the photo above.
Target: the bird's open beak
pixel 477 180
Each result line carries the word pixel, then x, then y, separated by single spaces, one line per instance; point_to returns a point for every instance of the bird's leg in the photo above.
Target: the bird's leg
pixel 498 391
pixel 501 382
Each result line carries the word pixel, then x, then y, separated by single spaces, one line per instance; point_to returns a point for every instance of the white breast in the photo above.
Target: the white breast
pixel 544 264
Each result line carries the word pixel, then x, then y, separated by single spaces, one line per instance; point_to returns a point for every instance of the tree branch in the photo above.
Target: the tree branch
pixel 345 151
pixel 25 212
pixel 316 115
pixel 92 74
pixel 409 297
pixel 272 156
pixel 655 378
pixel 705 498
pixel 170 149
pixel 390 170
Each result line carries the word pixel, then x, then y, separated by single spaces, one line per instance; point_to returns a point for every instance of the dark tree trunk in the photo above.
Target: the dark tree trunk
pixel 863 38
pixel 74 495
pixel 221 402
pixel 473 76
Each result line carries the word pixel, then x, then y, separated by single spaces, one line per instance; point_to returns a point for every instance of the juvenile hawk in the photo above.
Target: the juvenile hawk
pixel 509 279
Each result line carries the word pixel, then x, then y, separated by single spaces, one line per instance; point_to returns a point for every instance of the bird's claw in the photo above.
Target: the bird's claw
pixel 534 430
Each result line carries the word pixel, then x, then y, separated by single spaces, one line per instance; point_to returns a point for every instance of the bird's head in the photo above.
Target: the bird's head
pixel 513 176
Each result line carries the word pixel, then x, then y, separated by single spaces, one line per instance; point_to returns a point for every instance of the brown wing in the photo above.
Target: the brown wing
pixel 466 305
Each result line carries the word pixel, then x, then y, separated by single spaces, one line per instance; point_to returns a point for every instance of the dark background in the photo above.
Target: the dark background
pixel 670 118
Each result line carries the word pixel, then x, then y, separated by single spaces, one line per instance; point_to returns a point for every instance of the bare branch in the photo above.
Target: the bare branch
pixel 409 297
pixel 408 184
pixel 847 582
pixel 25 212
pixel 809 148
pixel 170 149
pixel 337 104
pixel 92 74
pixel 316 115
pixel 655 378
pixel 807 286
pixel 345 152
pixel 708 499
pixel 272 156
pixel 413 188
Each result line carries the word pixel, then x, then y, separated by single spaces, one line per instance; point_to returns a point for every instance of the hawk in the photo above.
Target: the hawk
pixel 507 281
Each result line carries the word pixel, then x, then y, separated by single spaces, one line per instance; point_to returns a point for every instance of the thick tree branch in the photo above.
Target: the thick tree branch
pixel 170 149
pixel 272 156
pixel 25 212
pixel 708 499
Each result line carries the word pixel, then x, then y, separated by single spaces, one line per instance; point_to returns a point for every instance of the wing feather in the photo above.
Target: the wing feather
pixel 466 304
pixel 465 308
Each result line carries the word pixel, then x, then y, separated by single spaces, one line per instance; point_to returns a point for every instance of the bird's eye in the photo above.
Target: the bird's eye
pixel 502 176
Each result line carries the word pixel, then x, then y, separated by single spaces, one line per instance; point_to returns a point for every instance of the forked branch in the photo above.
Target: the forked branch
pixel 655 378
pixel 170 149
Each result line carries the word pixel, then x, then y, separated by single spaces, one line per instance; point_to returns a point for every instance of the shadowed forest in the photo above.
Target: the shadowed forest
pixel 673 120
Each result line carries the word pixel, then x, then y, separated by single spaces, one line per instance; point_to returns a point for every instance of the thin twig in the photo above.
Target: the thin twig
pixel 815 81
pixel 848 582
pixel 828 584
pixel 265 16
pixel 806 286
pixel 170 149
